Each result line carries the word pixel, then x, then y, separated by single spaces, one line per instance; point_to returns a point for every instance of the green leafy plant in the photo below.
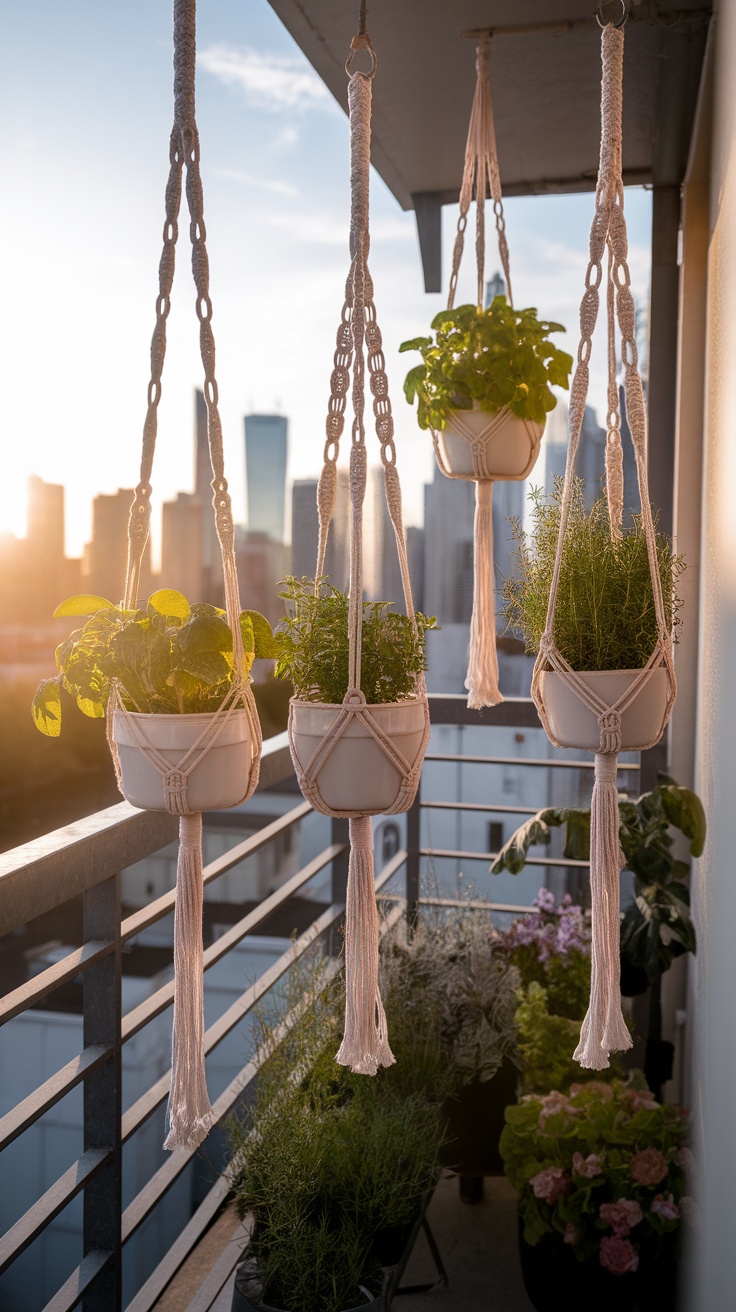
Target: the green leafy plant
pixel 312 645
pixel 602 1172
pixel 498 357
pixel 333 1166
pixel 450 992
pixel 604 618
pixel 547 1041
pixel 169 658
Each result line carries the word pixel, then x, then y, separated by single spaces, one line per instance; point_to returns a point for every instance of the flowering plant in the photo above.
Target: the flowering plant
pixel 604 1169
pixel 551 947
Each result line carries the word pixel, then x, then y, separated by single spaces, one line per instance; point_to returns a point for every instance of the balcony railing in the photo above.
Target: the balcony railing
pixel 85 860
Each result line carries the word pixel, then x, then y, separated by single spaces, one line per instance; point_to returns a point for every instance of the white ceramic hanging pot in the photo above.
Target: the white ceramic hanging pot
pixel 475 444
pixel 573 724
pixel 219 780
pixel 357 775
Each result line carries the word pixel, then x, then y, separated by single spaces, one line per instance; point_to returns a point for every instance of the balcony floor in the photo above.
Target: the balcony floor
pixel 477 1244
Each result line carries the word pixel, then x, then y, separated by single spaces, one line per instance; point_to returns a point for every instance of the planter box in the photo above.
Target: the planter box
pixel 475 1119
pixel 246 1293
pixel 551 1270
pixel 508 451
pixel 358 775
pixel 221 778
pixel 573 725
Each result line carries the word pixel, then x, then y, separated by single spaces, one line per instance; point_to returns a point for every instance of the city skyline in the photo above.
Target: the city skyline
pixel 275 172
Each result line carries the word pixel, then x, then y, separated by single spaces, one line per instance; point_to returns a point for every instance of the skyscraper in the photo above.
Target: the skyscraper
pixel 305 531
pixel 105 556
pixel 181 547
pixel 266 439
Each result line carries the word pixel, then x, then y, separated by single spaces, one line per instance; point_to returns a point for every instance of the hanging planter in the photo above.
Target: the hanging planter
pixel 484 385
pixel 627 578
pixel 171 661
pixel 354 758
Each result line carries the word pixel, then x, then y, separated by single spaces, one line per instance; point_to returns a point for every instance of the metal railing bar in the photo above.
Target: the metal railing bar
pixel 38 988
pixel 73 1289
pixel 511 713
pixel 158 1092
pixel 478 806
pixel 164 905
pixel 68 1185
pixel 134 1020
pixel 555 762
pixel 50 1092
pixel 48 871
pixel 476 905
pixel 144 1202
pixel 164 1273
pixel 491 856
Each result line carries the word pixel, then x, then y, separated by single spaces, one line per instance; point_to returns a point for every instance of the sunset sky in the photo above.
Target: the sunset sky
pixel 85 109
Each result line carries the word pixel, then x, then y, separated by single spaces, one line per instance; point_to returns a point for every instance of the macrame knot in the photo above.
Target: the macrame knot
pixel 609 725
pixel 547 643
pixel 354 697
pixel 175 793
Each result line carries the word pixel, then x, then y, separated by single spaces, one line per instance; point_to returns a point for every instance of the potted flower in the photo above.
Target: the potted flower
pixel 484 387
pixel 605 619
pixel 603 1177
pixel 356 773
pixel 451 991
pixel 165 670
pixel 657 925
pixel 334 1169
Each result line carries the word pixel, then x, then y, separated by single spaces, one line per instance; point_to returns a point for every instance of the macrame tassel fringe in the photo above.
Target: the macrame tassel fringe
pixel 604 1029
pixel 190 1115
pixel 482 678
pixel 365 1044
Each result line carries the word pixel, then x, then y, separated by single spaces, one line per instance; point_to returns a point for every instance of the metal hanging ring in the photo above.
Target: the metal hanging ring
pixel 361 42
pixel 603 22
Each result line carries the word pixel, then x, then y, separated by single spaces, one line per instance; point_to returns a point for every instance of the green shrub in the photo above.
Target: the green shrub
pixel 604 618
pixel 312 644
pixel 497 357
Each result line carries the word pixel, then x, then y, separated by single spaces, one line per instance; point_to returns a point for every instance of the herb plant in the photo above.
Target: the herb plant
pixel 333 1166
pixel 602 1173
pixel 604 618
pixel 169 658
pixel 497 357
pixel 312 645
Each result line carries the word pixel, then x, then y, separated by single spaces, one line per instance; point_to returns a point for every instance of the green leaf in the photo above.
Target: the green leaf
pixel 94 709
pixel 260 641
pixel 167 601
pixel 83 603
pixel 512 856
pixel 416 344
pixel 210 667
pixel 684 810
pixel 46 708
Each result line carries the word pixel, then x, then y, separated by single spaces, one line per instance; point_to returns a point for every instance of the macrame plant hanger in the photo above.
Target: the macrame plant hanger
pixel 604 1029
pixel 190 1114
pixel 365 1044
pixel 481 174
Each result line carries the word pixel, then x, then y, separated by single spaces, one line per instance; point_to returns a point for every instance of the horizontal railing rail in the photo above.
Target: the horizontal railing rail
pixel 85 859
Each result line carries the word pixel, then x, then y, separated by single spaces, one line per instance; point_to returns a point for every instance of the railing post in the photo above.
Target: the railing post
pixel 339 833
pixel 102 1095
pixel 413 832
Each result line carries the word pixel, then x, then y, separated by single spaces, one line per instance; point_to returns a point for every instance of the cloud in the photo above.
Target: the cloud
pixel 274 83
pixel 274 185
pixel 325 228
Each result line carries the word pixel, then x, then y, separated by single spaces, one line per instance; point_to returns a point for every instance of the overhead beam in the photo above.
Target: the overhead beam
pixel 428 211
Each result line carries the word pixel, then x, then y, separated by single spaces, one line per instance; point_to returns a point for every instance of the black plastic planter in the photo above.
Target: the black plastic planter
pixel 551 1272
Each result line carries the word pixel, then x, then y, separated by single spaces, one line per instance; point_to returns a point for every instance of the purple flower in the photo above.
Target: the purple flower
pixel 666 1207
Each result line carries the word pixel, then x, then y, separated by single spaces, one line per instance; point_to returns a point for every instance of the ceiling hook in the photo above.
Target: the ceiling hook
pixel 603 22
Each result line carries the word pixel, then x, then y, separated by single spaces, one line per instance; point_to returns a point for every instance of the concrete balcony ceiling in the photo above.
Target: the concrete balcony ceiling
pixel 545 80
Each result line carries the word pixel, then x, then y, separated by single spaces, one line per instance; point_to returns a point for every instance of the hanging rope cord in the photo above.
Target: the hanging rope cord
pixel 480 173
pixel 184 152
pixel 359 338
pixel 608 231
pixel 604 1029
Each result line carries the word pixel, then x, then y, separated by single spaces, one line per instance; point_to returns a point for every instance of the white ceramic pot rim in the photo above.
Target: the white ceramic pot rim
pixel 178 731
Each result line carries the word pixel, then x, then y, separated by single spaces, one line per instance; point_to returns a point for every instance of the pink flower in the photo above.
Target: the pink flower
pixel 666 1207
pixel 552 1104
pixel 550 1184
pixel 648 1167
pixel 604 1091
pixel 571 1235
pixel 639 1100
pixel 589 1166
pixel 621 1216
pixel 689 1211
pixel 686 1160
pixel 618 1256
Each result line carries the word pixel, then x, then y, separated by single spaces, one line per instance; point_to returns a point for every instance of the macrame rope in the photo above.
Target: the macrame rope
pixel 365 1044
pixel 604 1029
pixel 190 1114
